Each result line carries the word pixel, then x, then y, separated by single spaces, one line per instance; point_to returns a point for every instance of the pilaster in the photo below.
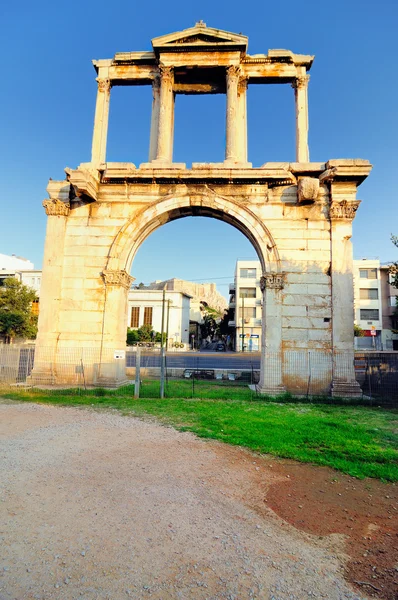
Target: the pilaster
pixel 300 86
pixel 100 133
pixel 112 372
pixel 57 212
pixel 271 379
pixel 343 375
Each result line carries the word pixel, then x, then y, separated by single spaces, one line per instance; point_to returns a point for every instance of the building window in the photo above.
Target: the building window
pixel 368 273
pixel 148 315
pixel 135 317
pixel 393 301
pixel 248 273
pixel 369 294
pixel 249 312
pixel 247 292
pixel 369 314
pixel 35 307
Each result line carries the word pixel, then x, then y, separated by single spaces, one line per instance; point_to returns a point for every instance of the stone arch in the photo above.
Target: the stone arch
pixel 172 207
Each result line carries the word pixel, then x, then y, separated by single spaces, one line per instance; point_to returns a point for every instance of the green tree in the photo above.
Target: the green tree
pixel 394 265
pixel 16 318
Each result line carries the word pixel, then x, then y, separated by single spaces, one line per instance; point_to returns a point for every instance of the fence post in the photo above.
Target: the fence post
pixel 162 366
pixel 137 373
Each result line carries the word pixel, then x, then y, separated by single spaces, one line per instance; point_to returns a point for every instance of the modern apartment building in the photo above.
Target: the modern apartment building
pixel 246 305
pixel 375 305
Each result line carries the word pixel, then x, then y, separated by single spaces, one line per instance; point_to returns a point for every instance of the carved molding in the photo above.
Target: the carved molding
pixel 119 278
pixel 104 85
pixel 242 84
pixel 273 281
pixel 344 209
pixel 166 74
pixel 233 72
pixel 300 82
pixel 56 208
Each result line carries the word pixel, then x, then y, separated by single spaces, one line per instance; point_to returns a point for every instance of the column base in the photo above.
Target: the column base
pixel 346 389
pixel 270 390
pixel 111 382
pixel 230 163
pixel 162 164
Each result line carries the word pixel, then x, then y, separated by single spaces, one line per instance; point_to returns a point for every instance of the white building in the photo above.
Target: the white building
pixel 246 305
pixel 374 304
pixel 23 270
pixel 145 308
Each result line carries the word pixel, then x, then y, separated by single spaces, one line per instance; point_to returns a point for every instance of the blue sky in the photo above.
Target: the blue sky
pixel 48 99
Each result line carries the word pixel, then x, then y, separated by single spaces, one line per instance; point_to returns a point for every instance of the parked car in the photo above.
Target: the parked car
pixel 220 347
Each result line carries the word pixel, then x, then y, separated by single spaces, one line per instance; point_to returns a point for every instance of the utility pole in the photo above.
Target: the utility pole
pixel 162 350
pixel 167 324
pixel 243 322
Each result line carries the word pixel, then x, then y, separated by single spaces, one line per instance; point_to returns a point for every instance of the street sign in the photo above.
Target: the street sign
pixel 119 354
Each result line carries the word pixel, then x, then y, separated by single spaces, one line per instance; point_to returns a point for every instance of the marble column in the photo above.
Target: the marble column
pixel 300 86
pixel 242 119
pixel 343 373
pixel 98 152
pixel 45 368
pixel 271 376
pixel 166 116
pixel 232 127
pixel 153 144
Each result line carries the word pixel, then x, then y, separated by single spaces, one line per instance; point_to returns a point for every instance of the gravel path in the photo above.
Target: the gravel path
pixel 97 506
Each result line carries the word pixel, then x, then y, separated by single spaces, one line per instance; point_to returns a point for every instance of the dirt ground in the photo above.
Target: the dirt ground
pixel 99 506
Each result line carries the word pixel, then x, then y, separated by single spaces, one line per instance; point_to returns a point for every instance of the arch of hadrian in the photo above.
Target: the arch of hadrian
pixel 298 217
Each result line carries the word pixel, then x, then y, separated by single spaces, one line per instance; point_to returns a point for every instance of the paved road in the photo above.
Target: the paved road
pixel 198 360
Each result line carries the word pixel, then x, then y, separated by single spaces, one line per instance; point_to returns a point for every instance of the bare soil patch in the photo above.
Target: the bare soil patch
pixel 97 505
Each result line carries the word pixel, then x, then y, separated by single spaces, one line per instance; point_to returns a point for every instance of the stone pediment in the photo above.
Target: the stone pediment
pixel 201 38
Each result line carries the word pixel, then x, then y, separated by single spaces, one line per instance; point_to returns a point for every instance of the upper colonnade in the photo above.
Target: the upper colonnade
pixel 200 60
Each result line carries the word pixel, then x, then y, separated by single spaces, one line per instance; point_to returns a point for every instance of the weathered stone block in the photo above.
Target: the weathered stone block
pixel 308 189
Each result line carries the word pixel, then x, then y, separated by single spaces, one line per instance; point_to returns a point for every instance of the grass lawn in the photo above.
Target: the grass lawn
pixel 361 441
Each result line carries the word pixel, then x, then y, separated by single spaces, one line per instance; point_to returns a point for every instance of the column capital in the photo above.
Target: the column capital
pixel 300 82
pixel 233 71
pixel 274 281
pixel 104 85
pixel 166 73
pixel 117 278
pixel 56 208
pixel 343 209
pixel 242 84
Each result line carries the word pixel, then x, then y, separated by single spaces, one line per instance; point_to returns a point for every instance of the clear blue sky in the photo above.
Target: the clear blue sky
pixel 48 98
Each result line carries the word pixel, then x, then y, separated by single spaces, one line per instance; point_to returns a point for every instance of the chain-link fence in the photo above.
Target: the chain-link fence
pixel 196 374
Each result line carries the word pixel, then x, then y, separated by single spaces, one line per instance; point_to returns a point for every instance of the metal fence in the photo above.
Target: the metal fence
pixel 302 374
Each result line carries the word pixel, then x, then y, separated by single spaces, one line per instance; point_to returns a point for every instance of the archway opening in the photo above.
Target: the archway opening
pixel 198 253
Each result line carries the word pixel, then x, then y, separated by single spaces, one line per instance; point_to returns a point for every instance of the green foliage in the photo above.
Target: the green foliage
pixel 394 265
pixel 143 334
pixel 132 337
pixel 16 318
pixel 211 321
pixel 358 332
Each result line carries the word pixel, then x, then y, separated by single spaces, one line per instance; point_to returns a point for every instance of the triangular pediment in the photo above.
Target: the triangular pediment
pixel 199 37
